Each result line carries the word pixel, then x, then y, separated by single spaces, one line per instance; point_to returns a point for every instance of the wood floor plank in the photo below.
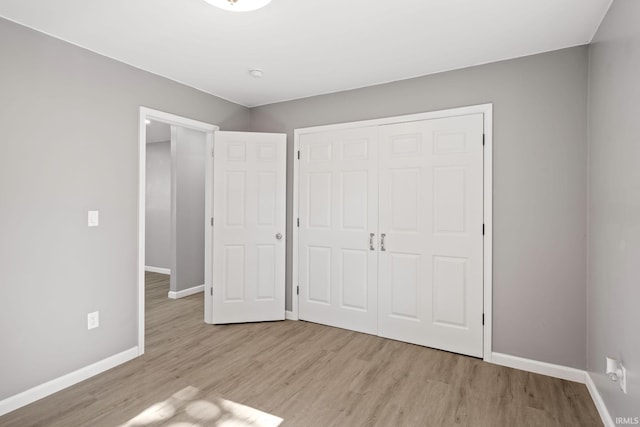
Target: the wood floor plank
pixel 308 375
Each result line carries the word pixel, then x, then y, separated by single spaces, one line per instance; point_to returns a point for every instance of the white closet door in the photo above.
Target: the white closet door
pixel 431 216
pixel 338 212
pixel 249 210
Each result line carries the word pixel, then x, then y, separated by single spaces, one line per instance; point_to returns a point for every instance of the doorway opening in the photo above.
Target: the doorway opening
pixel 172 206
pixel 158 198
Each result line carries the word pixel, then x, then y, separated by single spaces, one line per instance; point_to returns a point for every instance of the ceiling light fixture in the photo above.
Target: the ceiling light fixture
pixel 256 73
pixel 239 5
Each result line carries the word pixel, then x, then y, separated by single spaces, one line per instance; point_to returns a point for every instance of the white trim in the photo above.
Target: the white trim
pixel 186 292
pixel 487 111
pixel 43 390
pixel 208 235
pixel 294 219
pixel 289 315
pixel 160 270
pixel 142 189
pixel 606 417
pixel 544 368
pixel 452 112
pixel 171 119
pixel 175 120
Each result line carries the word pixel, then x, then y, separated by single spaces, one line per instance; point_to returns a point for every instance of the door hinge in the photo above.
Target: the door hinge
pixel 211 290
pixel 483 229
pixel 212 221
pixel 297 290
pixel 298 222
pixel 483 318
pixel 483 139
pixel 298 154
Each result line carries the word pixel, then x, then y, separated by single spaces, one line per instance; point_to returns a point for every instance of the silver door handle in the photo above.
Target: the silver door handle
pixel 382 236
pixel 279 236
pixel 371 247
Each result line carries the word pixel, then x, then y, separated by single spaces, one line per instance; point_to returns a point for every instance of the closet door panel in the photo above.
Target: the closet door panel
pixel 431 210
pixel 338 213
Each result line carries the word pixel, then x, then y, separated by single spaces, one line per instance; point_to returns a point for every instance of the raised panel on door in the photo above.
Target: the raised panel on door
pixel 338 212
pixel 233 273
pixel 266 272
pixel 431 200
pixel 249 210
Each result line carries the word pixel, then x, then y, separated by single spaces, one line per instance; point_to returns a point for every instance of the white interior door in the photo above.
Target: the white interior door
pixel 431 217
pixel 249 211
pixel 338 215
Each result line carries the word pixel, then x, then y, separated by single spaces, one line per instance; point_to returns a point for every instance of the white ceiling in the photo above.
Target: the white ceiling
pixel 309 47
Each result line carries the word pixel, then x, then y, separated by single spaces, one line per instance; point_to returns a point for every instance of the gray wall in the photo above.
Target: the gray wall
pixel 540 113
pixel 158 205
pixel 614 204
pixel 188 149
pixel 69 144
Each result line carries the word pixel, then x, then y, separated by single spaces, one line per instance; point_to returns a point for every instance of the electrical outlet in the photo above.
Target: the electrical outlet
pixel 617 373
pixel 93 320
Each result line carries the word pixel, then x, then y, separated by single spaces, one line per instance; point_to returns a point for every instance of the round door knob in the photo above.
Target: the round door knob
pixel 279 236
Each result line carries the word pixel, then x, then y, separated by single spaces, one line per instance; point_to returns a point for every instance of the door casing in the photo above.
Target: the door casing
pixel 487 111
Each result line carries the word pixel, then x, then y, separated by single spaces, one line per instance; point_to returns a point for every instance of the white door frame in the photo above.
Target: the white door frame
pixel 171 119
pixel 487 111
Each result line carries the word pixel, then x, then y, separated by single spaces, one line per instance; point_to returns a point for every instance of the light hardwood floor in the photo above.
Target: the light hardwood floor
pixel 308 375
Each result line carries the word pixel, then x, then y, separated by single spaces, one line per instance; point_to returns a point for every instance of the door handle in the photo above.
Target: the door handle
pixel 279 236
pixel 382 236
pixel 371 247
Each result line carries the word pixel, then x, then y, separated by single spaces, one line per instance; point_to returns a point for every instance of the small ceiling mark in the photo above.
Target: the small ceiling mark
pixel 256 73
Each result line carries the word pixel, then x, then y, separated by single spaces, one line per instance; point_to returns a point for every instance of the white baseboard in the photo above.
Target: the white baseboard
pixel 549 369
pixel 289 315
pixel 607 420
pixel 160 270
pixel 186 292
pixel 43 390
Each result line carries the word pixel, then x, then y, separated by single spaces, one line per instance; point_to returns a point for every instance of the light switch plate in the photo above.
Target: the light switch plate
pixel 93 218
